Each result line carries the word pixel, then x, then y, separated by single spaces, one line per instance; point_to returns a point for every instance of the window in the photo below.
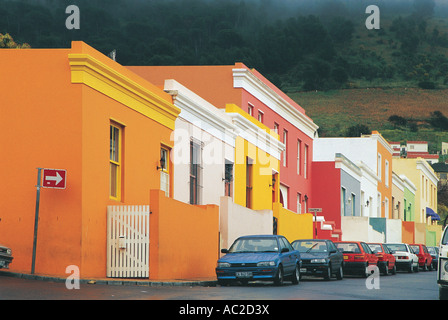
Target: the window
pixel 305 162
pixel 386 172
pixel 164 171
pixel 299 203
pixel 378 205
pixel 195 168
pixel 353 204
pixel 249 173
pixel 379 166
pixel 260 116
pixel 342 201
pixel 299 149
pixel 276 128
pixel 250 109
pixel 285 153
pixel 228 178
pixel 115 160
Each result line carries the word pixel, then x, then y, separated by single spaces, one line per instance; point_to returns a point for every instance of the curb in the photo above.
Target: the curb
pixel 116 282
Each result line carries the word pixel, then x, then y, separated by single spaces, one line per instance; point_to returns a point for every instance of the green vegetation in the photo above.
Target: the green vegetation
pixel 298 45
pixel 348 79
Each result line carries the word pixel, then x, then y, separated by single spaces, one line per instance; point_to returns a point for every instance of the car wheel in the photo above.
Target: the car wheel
pixel 411 267
pixel 340 274
pixel 386 270
pixel 295 278
pixel 394 270
pixel 443 293
pixel 223 283
pixel 327 275
pixel 278 281
pixel 417 268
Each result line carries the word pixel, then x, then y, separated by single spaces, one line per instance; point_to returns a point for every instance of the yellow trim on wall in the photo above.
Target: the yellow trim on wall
pixel 234 108
pixel 89 71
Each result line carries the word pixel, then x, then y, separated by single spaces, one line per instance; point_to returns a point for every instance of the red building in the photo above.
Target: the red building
pixel 247 88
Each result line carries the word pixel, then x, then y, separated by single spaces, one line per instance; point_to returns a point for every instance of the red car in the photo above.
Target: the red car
pixel 386 261
pixel 357 257
pixel 424 257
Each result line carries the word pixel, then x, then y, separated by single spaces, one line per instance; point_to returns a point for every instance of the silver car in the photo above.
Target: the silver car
pixel 5 257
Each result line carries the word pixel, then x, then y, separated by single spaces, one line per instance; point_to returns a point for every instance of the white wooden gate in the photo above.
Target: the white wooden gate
pixel 128 241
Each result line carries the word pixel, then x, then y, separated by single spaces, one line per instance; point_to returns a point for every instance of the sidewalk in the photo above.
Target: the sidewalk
pixel 204 282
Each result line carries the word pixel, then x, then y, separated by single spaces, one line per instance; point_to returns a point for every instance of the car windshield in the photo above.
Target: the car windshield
pixel 243 245
pixel 416 249
pixel 397 247
pixel 348 247
pixel 310 246
pixel 432 250
pixel 375 247
pixel 445 237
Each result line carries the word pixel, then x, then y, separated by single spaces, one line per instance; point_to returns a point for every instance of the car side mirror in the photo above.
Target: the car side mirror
pixel 284 250
pixel 224 251
pixel 332 251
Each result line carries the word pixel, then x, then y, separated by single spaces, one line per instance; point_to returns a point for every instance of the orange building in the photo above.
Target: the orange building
pixel 78 110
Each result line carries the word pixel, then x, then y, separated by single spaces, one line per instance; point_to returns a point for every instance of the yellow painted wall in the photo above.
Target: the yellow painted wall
pixel 292 225
pixel 423 199
pixel 264 165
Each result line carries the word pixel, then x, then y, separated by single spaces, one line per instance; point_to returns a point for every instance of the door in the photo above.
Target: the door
pixel 288 258
pixel 128 241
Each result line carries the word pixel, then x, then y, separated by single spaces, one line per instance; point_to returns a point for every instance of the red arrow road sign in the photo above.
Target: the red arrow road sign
pixel 54 178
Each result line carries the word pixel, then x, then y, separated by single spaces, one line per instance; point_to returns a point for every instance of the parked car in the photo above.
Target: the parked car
pixel 259 257
pixel 386 260
pixel 405 258
pixel 357 257
pixel 5 257
pixel 424 258
pixel 319 258
pixel 434 252
pixel 442 274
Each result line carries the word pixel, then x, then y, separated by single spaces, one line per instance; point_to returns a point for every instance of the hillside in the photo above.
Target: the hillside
pixel 336 110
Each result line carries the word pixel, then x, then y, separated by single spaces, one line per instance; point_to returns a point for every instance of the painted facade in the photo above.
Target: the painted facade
pixel 85 113
pixel 421 174
pixel 254 94
pixel 374 152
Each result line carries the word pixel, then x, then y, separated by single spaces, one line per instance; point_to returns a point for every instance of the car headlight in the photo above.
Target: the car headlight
pixel 223 265
pixel 318 260
pixel 443 264
pixel 266 264
pixel 8 251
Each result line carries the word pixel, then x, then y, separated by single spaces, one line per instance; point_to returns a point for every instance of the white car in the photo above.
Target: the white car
pixel 405 258
pixel 442 276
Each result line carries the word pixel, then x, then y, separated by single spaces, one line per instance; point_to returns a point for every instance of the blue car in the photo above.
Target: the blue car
pixel 259 257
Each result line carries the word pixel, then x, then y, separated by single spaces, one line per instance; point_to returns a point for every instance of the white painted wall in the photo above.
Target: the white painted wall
pixel 236 221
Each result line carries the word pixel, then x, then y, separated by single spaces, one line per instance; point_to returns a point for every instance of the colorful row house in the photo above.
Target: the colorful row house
pixel 159 175
pixel 369 195
pixel 260 99
pixel 425 216
pixel 167 165
pixel 78 110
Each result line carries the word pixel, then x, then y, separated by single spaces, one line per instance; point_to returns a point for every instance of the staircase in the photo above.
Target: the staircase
pixel 326 229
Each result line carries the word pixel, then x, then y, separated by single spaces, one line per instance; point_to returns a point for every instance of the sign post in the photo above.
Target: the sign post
pixel 52 178
pixel 315 210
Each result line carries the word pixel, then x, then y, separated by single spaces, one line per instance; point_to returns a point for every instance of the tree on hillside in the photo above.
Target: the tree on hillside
pixel 398 121
pixel 357 130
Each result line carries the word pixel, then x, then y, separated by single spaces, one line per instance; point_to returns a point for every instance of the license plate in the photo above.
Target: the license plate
pixel 302 269
pixel 345 257
pixel 244 274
